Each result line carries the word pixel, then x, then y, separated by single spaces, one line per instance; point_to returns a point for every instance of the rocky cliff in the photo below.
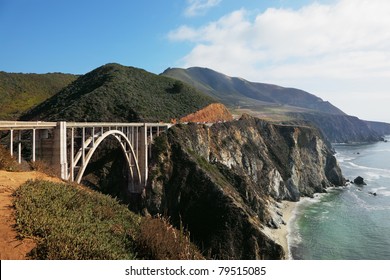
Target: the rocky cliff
pixel 223 182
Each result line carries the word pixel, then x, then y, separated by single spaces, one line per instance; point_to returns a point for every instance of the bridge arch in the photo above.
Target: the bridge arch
pixel 57 144
pixel 127 148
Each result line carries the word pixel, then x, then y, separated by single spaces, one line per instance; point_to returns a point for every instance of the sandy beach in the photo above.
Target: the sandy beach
pixel 280 234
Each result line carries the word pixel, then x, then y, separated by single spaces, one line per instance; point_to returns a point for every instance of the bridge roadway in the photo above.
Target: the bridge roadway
pixel 69 146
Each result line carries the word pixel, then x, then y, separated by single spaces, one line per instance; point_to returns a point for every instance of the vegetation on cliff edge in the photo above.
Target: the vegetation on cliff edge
pixel 70 222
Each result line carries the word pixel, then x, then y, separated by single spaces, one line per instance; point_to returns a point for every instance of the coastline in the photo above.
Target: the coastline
pixel 280 234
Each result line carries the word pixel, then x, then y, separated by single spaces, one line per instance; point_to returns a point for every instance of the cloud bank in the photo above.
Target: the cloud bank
pixel 323 48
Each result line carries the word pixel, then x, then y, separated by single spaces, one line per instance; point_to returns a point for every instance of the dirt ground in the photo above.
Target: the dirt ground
pixel 12 248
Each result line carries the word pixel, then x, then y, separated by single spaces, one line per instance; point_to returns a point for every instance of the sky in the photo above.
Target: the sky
pixel 338 50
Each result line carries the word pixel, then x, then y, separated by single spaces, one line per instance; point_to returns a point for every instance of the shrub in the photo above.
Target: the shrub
pixel 159 240
pixel 43 167
pixel 6 161
pixel 71 223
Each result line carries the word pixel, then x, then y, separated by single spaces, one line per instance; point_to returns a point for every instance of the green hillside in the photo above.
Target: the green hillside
pixel 20 92
pixel 117 93
pixel 237 92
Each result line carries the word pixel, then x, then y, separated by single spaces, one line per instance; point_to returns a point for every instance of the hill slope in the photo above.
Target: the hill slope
pixel 238 92
pixel 20 92
pixel 117 93
pixel 281 104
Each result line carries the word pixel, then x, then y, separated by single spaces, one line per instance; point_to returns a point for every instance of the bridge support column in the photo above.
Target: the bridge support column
pixel 11 144
pixel 143 155
pixel 59 155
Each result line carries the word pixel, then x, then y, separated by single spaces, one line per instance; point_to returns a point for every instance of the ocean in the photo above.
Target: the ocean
pixel 347 223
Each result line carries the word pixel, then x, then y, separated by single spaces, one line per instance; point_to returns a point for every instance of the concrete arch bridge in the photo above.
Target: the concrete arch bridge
pixel 69 146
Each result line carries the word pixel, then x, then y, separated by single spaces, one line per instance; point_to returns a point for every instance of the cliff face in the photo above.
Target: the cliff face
pixel 223 182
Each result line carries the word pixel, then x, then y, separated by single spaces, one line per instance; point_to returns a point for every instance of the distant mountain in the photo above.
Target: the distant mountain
pixel 121 94
pixel 239 92
pixel 380 127
pixel 280 104
pixel 342 128
pixel 20 92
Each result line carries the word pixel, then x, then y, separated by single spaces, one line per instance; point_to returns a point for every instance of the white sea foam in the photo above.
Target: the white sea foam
pixel 370 170
pixel 384 193
pixel 356 214
pixel 344 158
pixel 369 207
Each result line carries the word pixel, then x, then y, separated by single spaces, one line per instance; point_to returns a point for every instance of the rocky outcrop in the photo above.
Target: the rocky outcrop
pixel 222 181
pixel 215 112
pixel 359 181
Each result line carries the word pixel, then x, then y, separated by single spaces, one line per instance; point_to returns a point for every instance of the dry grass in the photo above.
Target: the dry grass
pixel 158 239
pixel 6 161
pixel 43 167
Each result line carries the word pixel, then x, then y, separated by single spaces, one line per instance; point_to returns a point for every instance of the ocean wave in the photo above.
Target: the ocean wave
pixel 384 193
pixel 344 158
pixel 378 171
pixel 364 204
pixel 380 150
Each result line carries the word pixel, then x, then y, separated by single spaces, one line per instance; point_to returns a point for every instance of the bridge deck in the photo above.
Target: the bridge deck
pixel 70 145
pixel 25 125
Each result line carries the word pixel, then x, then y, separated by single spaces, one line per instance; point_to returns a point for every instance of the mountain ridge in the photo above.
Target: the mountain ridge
pixel 281 105
pixel 233 90
pixel 114 92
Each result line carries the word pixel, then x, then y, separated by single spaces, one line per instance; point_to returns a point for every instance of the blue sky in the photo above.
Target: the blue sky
pixel 77 36
pixel 336 49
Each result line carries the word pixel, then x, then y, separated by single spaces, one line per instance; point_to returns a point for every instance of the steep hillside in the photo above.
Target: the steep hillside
pixel 239 92
pixel 341 129
pixel 224 182
pixel 379 127
pixel 279 104
pixel 117 93
pixel 212 113
pixel 20 92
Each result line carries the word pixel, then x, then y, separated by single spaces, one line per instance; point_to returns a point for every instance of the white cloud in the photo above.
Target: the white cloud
pixel 197 7
pixel 341 43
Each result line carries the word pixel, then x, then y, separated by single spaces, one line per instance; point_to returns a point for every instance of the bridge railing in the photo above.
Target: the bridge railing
pixel 55 143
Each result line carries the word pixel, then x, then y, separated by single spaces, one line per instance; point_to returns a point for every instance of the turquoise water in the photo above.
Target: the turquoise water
pixel 348 223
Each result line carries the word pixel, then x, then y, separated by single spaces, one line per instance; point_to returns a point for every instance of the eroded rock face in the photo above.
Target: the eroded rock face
pixel 221 181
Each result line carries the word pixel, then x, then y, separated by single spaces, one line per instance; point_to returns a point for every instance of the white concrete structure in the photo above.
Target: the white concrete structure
pixel 69 146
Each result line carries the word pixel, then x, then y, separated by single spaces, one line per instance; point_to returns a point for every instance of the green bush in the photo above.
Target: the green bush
pixel 70 223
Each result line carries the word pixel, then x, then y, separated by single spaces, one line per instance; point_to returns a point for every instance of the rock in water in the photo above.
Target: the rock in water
pixel 359 181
